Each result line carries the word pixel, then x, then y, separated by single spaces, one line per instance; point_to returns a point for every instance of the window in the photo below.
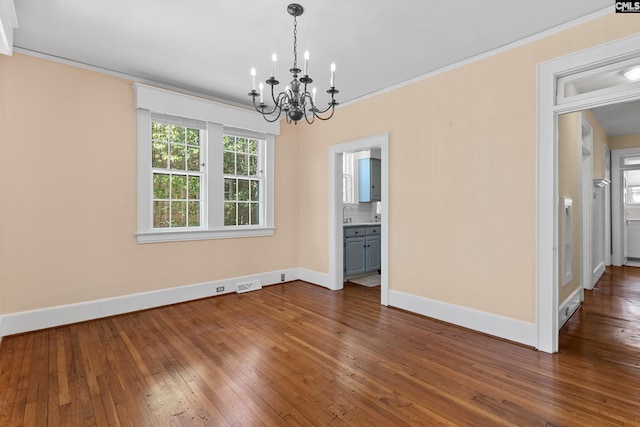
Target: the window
pixel 242 180
pixel 633 195
pixel 198 179
pixel 177 175
pixel 349 177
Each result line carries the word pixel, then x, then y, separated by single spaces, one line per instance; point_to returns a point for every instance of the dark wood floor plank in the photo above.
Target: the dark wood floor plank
pixel 296 354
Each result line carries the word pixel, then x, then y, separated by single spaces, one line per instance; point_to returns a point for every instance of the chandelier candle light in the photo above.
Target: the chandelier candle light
pixel 295 101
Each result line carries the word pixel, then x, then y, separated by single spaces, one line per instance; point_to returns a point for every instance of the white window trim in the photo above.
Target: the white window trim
pixel 161 101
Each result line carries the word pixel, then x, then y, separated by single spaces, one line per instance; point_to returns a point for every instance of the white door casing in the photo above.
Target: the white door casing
pixel 586 184
pixel 335 211
pixel 618 217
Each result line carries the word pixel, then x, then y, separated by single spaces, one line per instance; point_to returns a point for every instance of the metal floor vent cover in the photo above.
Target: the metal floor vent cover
pixel 253 285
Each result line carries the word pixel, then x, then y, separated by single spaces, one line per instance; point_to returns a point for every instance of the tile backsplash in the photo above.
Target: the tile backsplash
pixel 360 212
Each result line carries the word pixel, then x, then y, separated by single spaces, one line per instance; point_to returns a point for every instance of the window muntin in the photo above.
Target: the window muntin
pixel 176 161
pixel 243 180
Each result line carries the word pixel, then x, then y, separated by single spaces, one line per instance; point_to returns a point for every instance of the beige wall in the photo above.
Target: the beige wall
pixel 462 175
pixel 626 141
pixel 68 186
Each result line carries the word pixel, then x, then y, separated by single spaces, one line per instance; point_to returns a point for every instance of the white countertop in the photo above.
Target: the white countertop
pixel 359 224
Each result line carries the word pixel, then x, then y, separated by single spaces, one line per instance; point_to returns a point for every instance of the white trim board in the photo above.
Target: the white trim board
pixel 313 277
pixel 15 323
pixel 569 306
pixel 480 321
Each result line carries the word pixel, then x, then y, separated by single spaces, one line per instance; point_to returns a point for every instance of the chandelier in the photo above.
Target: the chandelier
pixel 296 102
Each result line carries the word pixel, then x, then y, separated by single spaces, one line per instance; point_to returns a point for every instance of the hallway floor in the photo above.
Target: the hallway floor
pixel 606 329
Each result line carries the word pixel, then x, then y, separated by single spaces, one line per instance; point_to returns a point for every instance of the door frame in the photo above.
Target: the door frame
pixel 336 262
pixel 586 193
pixel 547 203
pixel 617 203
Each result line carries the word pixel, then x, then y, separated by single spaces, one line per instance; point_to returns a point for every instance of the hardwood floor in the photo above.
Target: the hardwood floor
pixel 297 354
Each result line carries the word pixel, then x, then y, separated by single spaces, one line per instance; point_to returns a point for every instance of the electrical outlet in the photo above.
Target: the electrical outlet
pixel 220 289
pixel 282 277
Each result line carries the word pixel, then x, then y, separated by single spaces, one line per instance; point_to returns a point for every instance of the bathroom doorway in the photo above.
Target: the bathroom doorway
pixel 377 144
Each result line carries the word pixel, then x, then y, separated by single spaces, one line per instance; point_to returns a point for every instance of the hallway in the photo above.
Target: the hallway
pixel 606 329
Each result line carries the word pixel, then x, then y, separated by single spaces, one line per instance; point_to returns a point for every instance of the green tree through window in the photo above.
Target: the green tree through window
pixel 242 180
pixel 177 177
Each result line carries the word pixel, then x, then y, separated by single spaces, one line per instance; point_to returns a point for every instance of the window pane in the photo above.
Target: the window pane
pixel 194 187
pixel 194 214
pixel 177 157
pixel 230 213
pixel 193 159
pixel 255 191
pixel 253 146
pixel 229 166
pixel 160 186
pixel 242 164
pixel 628 161
pixel 159 155
pixel 178 187
pixel 177 134
pixel 633 195
pixel 230 189
pixel 160 214
pixel 253 165
pixel 243 213
pixel 229 143
pixel 242 145
pixel 255 220
pixel 243 189
pixel 193 137
pixel 178 214
pixel 159 131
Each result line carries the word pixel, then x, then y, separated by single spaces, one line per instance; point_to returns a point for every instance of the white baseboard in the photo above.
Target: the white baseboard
pixel 598 272
pixel 15 323
pixel 569 306
pixel 320 279
pixel 498 326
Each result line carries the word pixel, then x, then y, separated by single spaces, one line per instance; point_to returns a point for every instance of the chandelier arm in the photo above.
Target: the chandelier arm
pixel 312 109
pixel 260 108
pixel 273 95
pixel 326 118
pixel 331 106
pixel 267 114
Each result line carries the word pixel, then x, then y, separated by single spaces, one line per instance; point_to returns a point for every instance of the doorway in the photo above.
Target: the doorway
pixel 625 206
pixel 336 250
pixel 555 99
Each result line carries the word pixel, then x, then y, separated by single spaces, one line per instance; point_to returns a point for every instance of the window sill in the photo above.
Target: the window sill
pixel 186 235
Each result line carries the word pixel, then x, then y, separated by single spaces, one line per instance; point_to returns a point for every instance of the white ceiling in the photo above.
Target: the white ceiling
pixel 209 46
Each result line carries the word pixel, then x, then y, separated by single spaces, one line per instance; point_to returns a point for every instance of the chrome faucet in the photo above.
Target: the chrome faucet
pixel 344 218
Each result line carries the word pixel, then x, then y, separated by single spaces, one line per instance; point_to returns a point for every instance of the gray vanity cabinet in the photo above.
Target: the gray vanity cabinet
pixel 361 250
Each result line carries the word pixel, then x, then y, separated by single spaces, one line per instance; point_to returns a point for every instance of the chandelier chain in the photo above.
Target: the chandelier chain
pixel 295 42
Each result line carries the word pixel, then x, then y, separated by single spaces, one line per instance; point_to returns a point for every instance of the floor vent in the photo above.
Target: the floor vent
pixel 253 285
